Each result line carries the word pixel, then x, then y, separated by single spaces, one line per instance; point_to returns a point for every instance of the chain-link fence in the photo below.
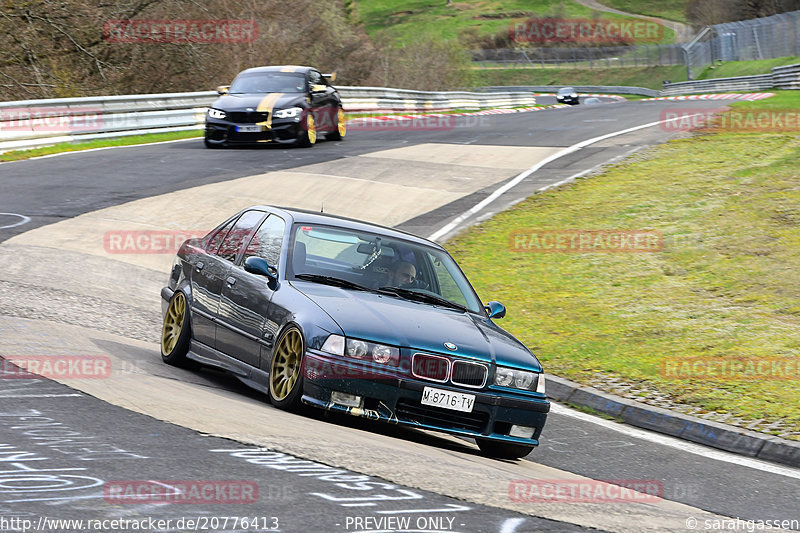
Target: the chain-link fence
pixel 580 57
pixel 747 40
pixel 763 38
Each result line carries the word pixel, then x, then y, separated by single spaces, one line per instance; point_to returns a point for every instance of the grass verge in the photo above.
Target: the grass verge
pixel 724 288
pixel 650 77
pixel 402 21
pixel 670 10
pixel 16 155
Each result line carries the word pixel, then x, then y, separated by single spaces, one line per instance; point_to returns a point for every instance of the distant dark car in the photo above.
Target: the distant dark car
pixel 567 95
pixel 352 317
pixel 281 104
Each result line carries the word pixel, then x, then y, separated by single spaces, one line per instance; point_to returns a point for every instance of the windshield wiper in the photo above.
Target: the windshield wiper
pixel 330 280
pixel 420 297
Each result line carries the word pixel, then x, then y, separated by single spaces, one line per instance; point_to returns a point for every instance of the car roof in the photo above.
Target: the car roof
pixel 280 68
pixel 303 216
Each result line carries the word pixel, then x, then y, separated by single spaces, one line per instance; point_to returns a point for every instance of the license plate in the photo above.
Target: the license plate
pixel 249 128
pixel 456 401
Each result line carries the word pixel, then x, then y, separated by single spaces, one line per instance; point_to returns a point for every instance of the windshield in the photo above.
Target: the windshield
pixel 377 262
pixel 268 82
pixel 566 90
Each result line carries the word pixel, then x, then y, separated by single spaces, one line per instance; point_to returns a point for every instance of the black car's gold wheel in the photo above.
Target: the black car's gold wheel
pixel 308 135
pixel 175 331
pixel 341 127
pixel 286 370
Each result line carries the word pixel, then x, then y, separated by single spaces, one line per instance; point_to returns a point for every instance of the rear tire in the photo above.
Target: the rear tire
pixel 175 332
pixel 503 450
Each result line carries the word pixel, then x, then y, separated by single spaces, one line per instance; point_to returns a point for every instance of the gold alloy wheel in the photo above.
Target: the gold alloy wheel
pixel 173 323
pixel 340 123
pixel 311 129
pixel 286 365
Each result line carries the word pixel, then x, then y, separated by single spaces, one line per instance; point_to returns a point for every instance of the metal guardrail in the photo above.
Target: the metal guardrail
pixel 599 89
pixel 786 77
pixel 31 123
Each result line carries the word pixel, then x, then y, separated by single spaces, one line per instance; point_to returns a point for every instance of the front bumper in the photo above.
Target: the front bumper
pixel 225 132
pixel 397 399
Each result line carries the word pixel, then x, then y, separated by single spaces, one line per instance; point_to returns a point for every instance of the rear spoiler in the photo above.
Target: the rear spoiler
pixel 330 77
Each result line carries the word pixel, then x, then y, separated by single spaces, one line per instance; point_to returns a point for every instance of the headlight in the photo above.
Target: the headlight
pixel 518 379
pixel 334 344
pixel 288 113
pixel 379 353
pixel 574 95
pixel 362 350
pixel 216 113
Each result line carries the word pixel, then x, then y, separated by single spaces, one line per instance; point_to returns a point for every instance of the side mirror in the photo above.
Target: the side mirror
pixel 495 309
pixel 257 265
pixel 223 89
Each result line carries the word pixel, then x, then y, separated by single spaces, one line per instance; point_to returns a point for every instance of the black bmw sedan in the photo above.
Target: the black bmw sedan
pixel 349 316
pixel 279 104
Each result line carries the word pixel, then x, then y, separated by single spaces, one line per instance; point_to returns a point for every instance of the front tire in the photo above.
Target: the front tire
pixel 308 133
pixel 286 370
pixel 175 332
pixel 341 127
pixel 503 450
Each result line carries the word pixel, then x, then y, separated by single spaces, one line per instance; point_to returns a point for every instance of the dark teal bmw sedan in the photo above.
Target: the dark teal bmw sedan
pixel 349 316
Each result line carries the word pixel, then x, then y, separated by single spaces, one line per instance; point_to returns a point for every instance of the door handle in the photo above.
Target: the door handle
pixel 199 266
pixel 231 281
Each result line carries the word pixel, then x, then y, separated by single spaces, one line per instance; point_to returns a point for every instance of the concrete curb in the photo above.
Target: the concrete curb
pixel 706 432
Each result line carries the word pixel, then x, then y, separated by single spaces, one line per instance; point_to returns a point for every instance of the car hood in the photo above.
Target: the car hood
pixel 243 102
pixel 420 326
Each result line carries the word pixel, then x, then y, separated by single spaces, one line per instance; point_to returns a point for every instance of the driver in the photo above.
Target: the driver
pixel 403 275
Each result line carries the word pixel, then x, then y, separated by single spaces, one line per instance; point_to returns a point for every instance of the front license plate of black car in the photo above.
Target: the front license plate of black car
pixel 456 401
pixel 249 128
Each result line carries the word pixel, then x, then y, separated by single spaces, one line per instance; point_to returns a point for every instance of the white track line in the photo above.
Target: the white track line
pixel 678 444
pixel 518 179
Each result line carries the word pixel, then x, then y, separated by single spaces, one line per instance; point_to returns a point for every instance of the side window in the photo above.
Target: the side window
pixel 213 244
pixel 239 234
pixel 315 78
pixel 266 242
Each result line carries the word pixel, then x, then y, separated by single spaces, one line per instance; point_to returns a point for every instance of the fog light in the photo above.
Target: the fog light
pixel 342 398
pixel 522 432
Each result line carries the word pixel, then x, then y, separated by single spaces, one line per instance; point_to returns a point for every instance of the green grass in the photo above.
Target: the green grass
pixel 746 68
pixel 726 284
pixel 668 9
pixel 650 77
pixel 17 155
pixel 402 21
